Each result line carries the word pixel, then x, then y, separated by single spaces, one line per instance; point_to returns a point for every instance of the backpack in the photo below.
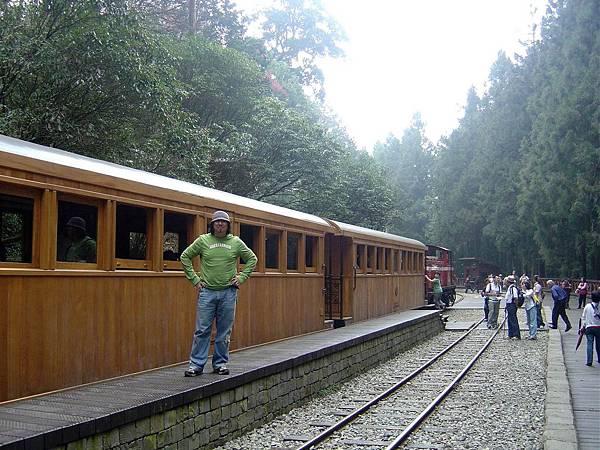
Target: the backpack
pixel 520 300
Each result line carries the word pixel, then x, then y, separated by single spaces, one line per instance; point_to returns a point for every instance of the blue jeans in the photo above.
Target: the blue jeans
pixel 219 305
pixel 532 321
pixel 591 334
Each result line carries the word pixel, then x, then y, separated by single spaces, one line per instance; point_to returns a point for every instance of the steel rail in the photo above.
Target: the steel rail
pixel 429 408
pixel 354 414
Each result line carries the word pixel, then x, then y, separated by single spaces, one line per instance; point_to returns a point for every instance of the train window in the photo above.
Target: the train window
pixel 176 238
pixel 396 261
pixel 293 244
pixel 273 238
pixel 360 250
pixel 370 257
pixel 388 259
pixel 250 235
pixel 378 259
pixel 16 229
pixel 404 261
pixel 132 233
pixel 411 261
pixel 77 232
pixel 310 253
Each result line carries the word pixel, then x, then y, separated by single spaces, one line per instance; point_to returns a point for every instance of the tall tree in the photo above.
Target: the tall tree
pixel 300 31
pixel 563 151
pixel 407 163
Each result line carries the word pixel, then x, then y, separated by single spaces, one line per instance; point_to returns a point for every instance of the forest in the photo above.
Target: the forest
pixel 180 88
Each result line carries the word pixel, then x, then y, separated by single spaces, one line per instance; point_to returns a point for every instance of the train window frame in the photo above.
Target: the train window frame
pixel 278 252
pixel 100 206
pixel 121 263
pixel 299 258
pixel 311 242
pixel 35 195
pixel 258 232
pixel 378 259
pixel 387 260
pixel 360 257
pixel 370 259
pixel 189 228
pixel 396 263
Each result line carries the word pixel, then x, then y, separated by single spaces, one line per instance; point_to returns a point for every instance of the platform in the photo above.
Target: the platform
pixel 162 407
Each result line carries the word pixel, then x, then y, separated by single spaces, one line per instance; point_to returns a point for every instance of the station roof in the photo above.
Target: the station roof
pixel 366 233
pixel 60 157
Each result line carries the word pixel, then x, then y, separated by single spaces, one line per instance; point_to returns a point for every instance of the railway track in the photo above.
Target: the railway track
pixel 401 403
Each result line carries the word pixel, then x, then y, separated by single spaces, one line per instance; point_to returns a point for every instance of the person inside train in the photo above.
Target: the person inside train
pixel 216 290
pixel 80 247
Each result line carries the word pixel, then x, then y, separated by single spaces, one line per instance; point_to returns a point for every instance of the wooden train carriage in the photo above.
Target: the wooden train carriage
pixel 69 317
pixel 372 273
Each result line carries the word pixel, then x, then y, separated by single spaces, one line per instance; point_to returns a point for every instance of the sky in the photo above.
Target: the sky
pixel 408 56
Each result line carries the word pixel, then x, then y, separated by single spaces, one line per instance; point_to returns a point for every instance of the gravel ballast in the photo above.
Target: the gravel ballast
pixel 499 404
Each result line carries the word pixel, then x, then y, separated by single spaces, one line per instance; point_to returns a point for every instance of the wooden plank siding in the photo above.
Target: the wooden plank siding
pixel 65 323
pixel 60 330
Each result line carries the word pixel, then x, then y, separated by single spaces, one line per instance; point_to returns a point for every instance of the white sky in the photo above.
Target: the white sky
pixel 404 56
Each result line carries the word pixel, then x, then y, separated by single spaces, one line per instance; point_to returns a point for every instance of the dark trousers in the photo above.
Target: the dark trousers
pixel 581 301
pixel 513 321
pixel 540 321
pixel 486 307
pixel 559 310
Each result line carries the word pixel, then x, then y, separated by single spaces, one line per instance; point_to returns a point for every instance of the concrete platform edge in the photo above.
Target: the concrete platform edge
pixel 559 428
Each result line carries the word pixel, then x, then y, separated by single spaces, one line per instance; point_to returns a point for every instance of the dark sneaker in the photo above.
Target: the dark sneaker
pixel 568 328
pixel 223 370
pixel 191 372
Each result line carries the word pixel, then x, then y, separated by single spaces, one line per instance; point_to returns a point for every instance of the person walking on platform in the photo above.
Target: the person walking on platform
pixel 560 301
pixel 538 296
pixel 530 310
pixel 436 287
pixel 590 322
pixel 216 290
pixel 581 290
pixel 511 308
pixel 494 303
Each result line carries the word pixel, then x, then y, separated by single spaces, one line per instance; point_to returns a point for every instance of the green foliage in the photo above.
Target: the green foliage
pixel 517 182
pixel 300 31
pixel 92 78
pixel 407 163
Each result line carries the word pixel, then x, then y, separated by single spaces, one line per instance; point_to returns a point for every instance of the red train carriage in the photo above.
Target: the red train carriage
pixel 439 260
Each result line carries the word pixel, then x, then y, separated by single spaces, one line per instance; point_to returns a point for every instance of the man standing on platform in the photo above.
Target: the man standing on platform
pixel 560 303
pixel 216 290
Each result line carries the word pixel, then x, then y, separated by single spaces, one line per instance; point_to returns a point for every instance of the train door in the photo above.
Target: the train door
pixel 334 279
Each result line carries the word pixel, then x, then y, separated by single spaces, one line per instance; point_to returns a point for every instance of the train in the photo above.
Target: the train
pixel 121 304
pixel 439 260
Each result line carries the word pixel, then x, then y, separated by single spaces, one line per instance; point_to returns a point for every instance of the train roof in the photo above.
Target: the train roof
pixel 58 157
pixel 354 231
pixel 440 247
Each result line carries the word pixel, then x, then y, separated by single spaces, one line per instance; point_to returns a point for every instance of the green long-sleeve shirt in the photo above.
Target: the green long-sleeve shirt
pixel 218 260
